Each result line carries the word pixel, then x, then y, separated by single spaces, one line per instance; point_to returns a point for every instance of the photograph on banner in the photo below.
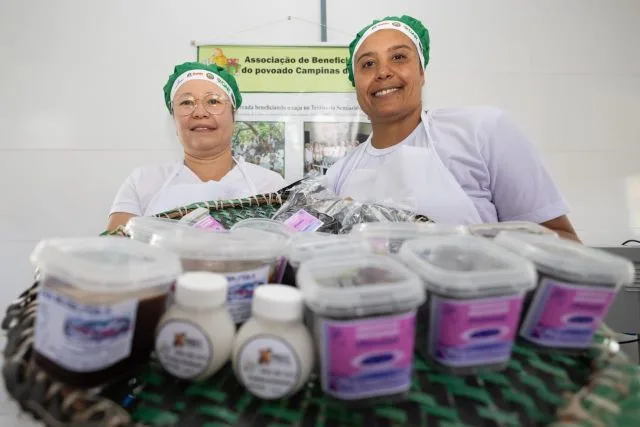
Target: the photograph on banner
pixel 261 143
pixel 327 142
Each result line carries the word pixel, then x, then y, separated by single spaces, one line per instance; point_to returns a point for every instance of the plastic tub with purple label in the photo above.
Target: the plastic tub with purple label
pixel 388 237
pixel 475 289
pixel 247 257
pixel 491 230
pixel 363 318
pixel 577 285
pixel 269 226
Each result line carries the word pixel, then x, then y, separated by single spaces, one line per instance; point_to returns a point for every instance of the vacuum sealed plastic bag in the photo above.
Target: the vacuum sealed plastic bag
pixel 312 206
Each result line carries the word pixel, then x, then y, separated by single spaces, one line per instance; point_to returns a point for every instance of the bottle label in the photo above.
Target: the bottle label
pixel 268 367
pixel 183 349
pixel 473 332
pixel 565 314
pixel 240 292
pixel 83 337
pixel 367 358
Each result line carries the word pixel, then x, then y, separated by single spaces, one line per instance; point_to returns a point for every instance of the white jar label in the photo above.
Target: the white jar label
pixel 83 337
pixel 183 349
pixel 268 367
pixel 240 292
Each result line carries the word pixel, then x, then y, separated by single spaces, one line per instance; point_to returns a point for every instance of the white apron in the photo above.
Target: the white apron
pixel 413 177
pixel 172 196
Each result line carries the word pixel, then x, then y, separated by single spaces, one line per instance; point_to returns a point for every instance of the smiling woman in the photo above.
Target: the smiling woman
pixel 458 165
pixel 202 100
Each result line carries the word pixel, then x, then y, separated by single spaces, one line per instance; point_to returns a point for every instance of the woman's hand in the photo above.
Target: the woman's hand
pixel 117 219
pixel 563 227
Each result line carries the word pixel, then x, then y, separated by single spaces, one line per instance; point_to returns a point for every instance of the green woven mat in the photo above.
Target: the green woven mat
pixel 233 211
pixel 227 212
pixel 527 393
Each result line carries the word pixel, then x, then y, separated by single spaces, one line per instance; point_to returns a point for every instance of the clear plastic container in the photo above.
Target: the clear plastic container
pixel 142 228
pixel 491 230
pixel 247 257
pixel 363 313
pixel 269 226
pixel 100 302
pixel 305 246
pixel 265 224
pixel 577 285
pixel 388 237
pixel 476 290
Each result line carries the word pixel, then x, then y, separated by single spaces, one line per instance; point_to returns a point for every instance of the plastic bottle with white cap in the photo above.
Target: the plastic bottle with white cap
pixel 273 351
pixel 195 336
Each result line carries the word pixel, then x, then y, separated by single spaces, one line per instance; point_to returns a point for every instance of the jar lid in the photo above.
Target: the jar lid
pixel 359 286
pixel 106 264
pixel 277 302
pixel 201 289
pixel 142 228
pixel 243 244
pixel 492 230
pixel 467 266
pixel 305 246
pixel 264 224
pixel 388 237
pixel 569 260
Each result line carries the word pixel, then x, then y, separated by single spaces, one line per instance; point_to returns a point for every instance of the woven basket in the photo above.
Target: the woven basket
pixel 598 387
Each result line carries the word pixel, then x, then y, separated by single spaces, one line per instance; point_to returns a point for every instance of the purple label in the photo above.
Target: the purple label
pixel 367 358
pixel 280 270
pixel 566 315
pixel 473 332
pixel 303 221
pixel 210 223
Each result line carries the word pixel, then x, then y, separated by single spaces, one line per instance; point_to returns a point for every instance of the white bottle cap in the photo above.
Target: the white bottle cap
pixel 201 289
pixel 277 302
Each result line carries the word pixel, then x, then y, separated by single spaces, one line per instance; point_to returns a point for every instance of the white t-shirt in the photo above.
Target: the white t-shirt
pixel 490 158
pixel 145 182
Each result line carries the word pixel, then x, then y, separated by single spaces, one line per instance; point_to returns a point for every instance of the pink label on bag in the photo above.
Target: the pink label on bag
pixel 565 314
pixel 303 221
pixel 368 358
pixel 210 223
pixel 473 332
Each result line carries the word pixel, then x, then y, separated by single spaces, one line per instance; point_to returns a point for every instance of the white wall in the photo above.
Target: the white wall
pixel 81 95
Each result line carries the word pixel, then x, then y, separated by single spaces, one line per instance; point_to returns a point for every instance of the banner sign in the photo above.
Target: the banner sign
pixel 299 111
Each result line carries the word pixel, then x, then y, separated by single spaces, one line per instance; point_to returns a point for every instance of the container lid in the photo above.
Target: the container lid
pixel 305 246
pixel 569 260
pixel 106 264
pixel 359 286
pixel 244 244
pixel 201 289
pixel 277 302
pixel 492 230
pixel 142 228
pixel 265 224
pixel 467 266
pixel 388 237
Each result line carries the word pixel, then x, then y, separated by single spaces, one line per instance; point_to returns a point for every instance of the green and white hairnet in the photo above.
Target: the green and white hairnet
pixel 196 71
pixel 411 27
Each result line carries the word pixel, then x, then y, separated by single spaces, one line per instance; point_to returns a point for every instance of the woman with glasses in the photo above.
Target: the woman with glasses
pixel 202 100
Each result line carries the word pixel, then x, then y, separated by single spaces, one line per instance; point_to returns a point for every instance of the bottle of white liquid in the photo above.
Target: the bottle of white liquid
pixel 195 336
pixel 273 351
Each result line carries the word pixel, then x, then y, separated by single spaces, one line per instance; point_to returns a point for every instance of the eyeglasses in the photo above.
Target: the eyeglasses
pixel 212 103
